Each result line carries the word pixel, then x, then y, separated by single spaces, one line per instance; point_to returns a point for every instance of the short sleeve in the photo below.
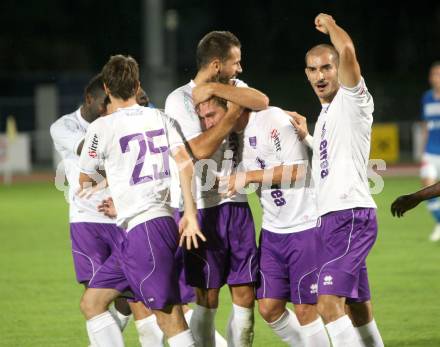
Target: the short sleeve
pixel 179 106
pixel 173 132
pixel 239 83
pixel 359 93
pixel 66 135
pixel 94 148
pixel 284 139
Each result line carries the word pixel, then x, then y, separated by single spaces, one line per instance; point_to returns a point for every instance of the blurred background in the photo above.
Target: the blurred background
pixel 50 49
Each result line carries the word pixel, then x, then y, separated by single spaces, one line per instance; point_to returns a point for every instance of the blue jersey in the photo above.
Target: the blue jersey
pixel 431 115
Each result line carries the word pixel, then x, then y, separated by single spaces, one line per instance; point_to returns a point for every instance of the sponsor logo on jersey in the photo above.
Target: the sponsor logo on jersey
pixel 328 280
pixel 253 141
pixel 323 155
pixel 314 288
pixel 275 135
pixel 93 147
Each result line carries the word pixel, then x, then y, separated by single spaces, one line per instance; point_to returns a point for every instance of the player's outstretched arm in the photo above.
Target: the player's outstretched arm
pixel 229 185
pixel 407 202
pixel 349 71
pixel 244 96
pixel 205 145
pixel 188 226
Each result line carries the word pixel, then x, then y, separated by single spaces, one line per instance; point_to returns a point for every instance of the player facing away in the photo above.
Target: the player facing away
pixel 134 144
pixel 273 157
pixel 430 170
pixel 94 236
pixel 229 255
pixel 347 227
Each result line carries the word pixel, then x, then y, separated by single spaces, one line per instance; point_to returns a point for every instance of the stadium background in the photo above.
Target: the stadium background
pixel 49 50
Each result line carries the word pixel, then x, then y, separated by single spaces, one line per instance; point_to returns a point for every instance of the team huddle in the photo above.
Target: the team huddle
pixel 159 216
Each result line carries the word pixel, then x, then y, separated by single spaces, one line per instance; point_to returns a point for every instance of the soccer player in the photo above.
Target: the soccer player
pixel 229 255
pixel 273 156
pixel 430 170
pixel 94 236
pixel 134 144
pixel 347 223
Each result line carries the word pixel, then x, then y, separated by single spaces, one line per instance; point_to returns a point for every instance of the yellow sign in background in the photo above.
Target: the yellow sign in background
pixel 385 142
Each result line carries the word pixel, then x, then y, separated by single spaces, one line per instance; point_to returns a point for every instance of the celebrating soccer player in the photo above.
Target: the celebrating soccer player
pixel 347 227
pixel 230 254
pixel 134 144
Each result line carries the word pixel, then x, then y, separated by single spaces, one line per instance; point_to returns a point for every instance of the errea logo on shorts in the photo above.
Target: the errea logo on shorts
pixel 328 280
pixel 314 288
pixel 150 299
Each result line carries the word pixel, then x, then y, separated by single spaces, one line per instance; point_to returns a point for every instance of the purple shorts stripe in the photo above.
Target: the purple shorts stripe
pixel 344 240
pixel 230 253
pixel 288 269
pixel 92 244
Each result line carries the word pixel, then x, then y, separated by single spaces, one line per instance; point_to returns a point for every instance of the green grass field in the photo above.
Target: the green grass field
pixel 39 296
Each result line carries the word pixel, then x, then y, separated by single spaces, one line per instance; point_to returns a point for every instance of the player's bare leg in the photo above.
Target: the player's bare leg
pixel 101 326
pixel 173 324
pixel 241 319
pixel 149 332
pixel 361 314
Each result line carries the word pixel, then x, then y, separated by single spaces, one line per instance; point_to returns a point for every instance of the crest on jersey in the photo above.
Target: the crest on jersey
pixel 253 141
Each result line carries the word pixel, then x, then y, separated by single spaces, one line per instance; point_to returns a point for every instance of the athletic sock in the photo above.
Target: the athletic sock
pixel 240 327
pixel 288 329
pixel 104 331
pixel 202 325
pixel 315 334
pixel 369 335
pixel 219 339
pixel 342 333
pixel 121 319
pixel 434 207
pixel 149 332
pixel 183 339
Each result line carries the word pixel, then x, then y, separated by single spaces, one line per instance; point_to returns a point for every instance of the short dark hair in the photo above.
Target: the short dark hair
pixel 95 87
pixel 318 49
pixel 215 44
pixel 121 76
pixel 435 64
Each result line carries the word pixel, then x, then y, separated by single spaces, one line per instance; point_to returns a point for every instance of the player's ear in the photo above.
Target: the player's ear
pixel 216 65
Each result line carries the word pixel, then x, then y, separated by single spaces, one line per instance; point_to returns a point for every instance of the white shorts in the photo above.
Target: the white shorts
pixel 430 168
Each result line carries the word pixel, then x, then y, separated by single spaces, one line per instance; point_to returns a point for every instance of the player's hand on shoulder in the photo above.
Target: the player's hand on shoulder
pixel 322 22
pixel 189 231
pixel 202 93
pixel 402 204
pixel 107 207
pixel 300 124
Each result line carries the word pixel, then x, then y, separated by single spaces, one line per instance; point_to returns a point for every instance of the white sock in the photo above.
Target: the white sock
pixel 369 335
pixel 121 319
pixel 202 325
pixel 288 329
pixel 219 339
pixel 149 332
pixel 240 327
pixel 183 339
pixel 104 331
pixel 342 333
pixel 315 334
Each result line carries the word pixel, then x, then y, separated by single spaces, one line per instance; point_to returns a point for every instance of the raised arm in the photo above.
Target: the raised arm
pixel 349 71
pixel 244 96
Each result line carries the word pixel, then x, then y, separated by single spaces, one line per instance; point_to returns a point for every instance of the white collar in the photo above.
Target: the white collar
pixel 129 107
pixel 192 84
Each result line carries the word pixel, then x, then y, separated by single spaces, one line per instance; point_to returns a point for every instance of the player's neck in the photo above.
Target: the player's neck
pixel 120 103
pixel 203 76
pixel 329 98
pixel 86 115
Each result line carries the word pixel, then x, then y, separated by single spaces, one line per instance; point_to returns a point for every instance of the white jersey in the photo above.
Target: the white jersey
pixel 341 148
pixel 270 140
pixel 134 144
pixel 179 106
pixel 67 133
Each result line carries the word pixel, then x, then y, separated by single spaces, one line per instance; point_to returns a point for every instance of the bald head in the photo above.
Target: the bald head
pixel 323 49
